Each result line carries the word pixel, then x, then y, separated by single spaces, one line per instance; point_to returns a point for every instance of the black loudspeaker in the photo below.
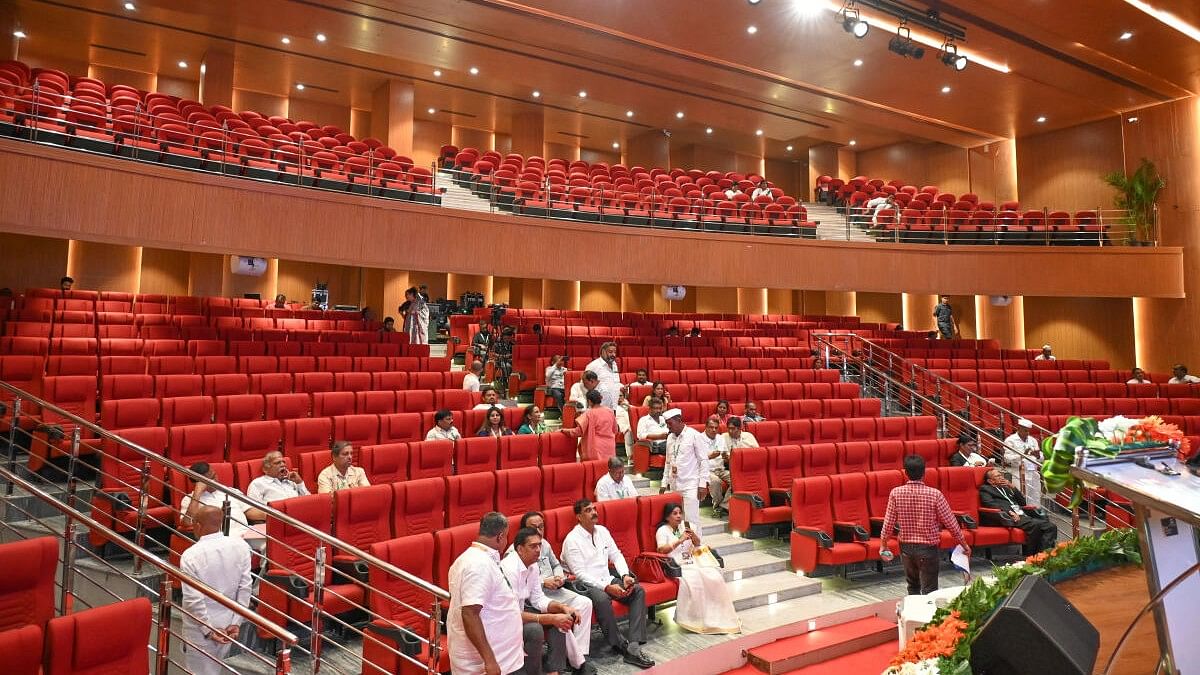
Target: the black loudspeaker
pixel 1035 631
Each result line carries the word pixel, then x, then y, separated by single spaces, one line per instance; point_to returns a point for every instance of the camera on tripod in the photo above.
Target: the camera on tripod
pixel 498 312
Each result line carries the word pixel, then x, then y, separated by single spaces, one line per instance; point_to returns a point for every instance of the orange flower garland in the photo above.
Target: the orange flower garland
pixel 933 642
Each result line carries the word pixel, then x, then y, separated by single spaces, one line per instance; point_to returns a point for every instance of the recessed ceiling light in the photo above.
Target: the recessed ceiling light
pixel 753 2
pixel 616 145
pixel 1041 119
pixel 1131 120
pixel 183 64
pixel 709 129
pixel 432 111
pixel 19 34
pixel 752 29
pixel 1126 35
pixel 679 115
pixel 286 40
pixel 946 89
pixel 629 113
pixel 129 6
pixel 321 37
pixel 582 94
pixel 537 94
pixel 437 73
pixel 758 132
pixel 858 62
pixel 789 148
pixel 299 86
pixel 473 70
pixel 853 142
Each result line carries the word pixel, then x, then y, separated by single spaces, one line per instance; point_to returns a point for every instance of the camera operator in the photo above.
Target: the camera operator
pixel 556 380
pixel 481 342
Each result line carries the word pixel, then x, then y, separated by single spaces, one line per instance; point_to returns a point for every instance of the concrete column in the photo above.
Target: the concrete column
pixel 392 115
pixel 216 78
pixel 528 129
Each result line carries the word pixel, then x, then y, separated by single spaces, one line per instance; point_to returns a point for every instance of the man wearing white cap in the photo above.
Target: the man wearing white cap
pixel 1026 472
pixel 1046 355
pixel 686 470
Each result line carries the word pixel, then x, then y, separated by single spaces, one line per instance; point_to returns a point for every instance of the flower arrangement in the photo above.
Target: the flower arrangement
pixel 1104 438
pixel 943 646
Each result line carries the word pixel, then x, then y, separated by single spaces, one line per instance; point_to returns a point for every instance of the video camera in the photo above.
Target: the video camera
pixel 320 295
pixel 498 312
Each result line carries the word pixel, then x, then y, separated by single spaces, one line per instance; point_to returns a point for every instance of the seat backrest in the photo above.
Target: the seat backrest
pixel 519 490
pixel 562 485
pixel 107 639
pixel 469 497
pixel 429 459
pixel 854 456
pixel 748 472
pixel 819 459
pixel 396 598
pixel 620 516
pixel 650 513
pixel 476 454
pixel 879 485
pixel 290 549
pixel 786 465
pixel 448 544
pixel 960 485
pixel 849 499
pixel 363 515
pixel 27 585
pixel 811 503
pixel 386 462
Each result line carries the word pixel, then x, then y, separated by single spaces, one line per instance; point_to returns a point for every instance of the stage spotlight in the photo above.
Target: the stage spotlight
pixel 951 57
pixel 852 23
pixel 902 44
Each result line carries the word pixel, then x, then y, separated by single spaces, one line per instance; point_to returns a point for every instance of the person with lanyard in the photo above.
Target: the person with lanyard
pixel 686 469
pixel 944 314
pixel 605 368
pixel 532 421
pixel 484 630
pixel 443 427
pixel 615 484
pixel 554 581
pixel 703 604
pixel 920 512
pixel 493 424
pixel 342 473
pixel 718 471
pixel 1021 454
pixel 997 493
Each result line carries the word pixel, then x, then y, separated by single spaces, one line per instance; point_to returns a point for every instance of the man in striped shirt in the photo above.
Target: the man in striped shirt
pixel 921 512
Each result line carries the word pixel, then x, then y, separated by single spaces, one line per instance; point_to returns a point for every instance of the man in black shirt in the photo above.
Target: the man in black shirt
pixel 946 323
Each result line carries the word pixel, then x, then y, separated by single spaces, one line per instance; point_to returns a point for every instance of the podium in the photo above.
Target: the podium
pixel 1167 510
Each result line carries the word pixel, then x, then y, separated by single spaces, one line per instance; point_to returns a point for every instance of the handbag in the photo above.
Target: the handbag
pixel 653 568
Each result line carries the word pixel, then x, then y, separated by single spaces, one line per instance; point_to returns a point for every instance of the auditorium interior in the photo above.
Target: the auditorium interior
pixel 212 207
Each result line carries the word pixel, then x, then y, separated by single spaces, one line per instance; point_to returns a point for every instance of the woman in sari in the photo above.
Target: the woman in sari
pixel 416 317
pixel 703 605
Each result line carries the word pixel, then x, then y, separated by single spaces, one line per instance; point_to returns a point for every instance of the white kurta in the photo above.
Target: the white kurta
pixel 687 469
pixel 476 579
pixel 703 605
pixel 610 381
pixel 224 564
pixel 238 526
pixel 268 489
pixel 1031 487
pixel 608 489
pixel 526 582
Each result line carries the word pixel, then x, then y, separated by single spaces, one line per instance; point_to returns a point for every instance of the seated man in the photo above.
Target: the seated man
pixel 277 482
pixel 718 467
pixel 641 377
pixel 615 484
pixel 472 380
pixel 443 427
pixel 1138 376
pixel 538 612
pixel 1179 375
pixel 1046 355
pixel 342 473
pixel 998 493
pixel 588 550
pixel 491 399
pixel 389 325
pixel 751 413
pixel 203 494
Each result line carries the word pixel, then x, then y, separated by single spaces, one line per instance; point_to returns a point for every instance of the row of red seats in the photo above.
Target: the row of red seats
pixel 836 520
pixel 88 364
pixel 985 227
pixel 1116 389
pixel 1003 359
pixel 31 317
pixel 1013 375
pixel 205 347
pixel 722 376
pixel 836 430
pixel 1180 411
pixel 178 304
pixel 762 477
pixel 111 638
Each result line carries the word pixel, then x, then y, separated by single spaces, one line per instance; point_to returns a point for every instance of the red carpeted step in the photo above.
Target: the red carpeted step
pixel 821 645
pixel 873 660
pixel 744 670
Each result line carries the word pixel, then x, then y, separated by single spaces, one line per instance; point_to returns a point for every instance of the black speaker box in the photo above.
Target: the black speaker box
pixel 1035 631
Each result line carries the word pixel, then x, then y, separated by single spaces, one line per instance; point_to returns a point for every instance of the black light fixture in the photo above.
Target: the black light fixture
pixel 950 56
pixel 902 43
pixel 852 21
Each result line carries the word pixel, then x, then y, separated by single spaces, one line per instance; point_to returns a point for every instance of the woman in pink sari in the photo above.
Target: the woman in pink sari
pixel 598 429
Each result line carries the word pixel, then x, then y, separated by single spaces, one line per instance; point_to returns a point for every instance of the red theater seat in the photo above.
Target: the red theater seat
pixel 107 639
pixel 469 497
pixel 430 459
pixel 752 502
pixel 562 485
pixel 27 594
pixel 519 490
pixel 814 542
pixel 420 506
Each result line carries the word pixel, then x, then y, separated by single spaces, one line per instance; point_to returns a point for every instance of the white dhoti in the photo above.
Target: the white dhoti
pixel 691 504
pixel 1031 483
pixel 579 640
pixel 201 652
pixel 704 605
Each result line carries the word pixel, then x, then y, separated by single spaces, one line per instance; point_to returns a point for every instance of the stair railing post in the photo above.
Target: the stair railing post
pixel 67 598
pixel 143 503
pixel 12 442
pixel 162 661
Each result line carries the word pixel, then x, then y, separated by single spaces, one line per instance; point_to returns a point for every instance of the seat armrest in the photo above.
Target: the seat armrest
pixel 843 531
pixel 756 502
pixel 996 517
pixel 781 497
pixel 876 526
pixel 823 540
pixel 350 569
pixel 406 641
pixel 967 521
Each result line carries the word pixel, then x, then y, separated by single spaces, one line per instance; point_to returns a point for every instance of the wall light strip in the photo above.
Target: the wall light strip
pixel 1167 18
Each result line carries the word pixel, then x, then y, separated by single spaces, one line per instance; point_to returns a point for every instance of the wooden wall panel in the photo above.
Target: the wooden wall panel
pixel 823 161
pixel 964 310
pixel 598 296
pixel 465 137
pixel 752 301
pixel 164 271
pixel 839 303
pixel 264 104
pixel 502 143
pixel 360 124
pixel 918 164
pixel 879 307
pixel 320 112
pixel 297 279
pixel 994 171
pixel 715 299
pixel 264 285
pixel 1082 328
pixel 593 156
pixel 918 310
pixel 104 267
pixel 110 75
pixel 649 149
pixel 437 283
pixel 502 288
pixel 177 86
pixel 224 214
pixel 206 272
pixel 560 294
pixel 812 303
pixel 457 284
pixel 371 292
pixel 1006 324
pixel 638 297
pixel 33 262
pixel 1061 169
pixel 558 149
pixel 786 175
pixel 531 293
pixel 428 139
pixel 781 301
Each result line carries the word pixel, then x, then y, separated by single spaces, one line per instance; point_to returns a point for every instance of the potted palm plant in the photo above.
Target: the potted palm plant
pixel 1138 193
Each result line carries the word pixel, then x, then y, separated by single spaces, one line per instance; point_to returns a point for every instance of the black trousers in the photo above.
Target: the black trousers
pixel 920 567
pixel 1040 533
pixel 602 613
pixel 536 636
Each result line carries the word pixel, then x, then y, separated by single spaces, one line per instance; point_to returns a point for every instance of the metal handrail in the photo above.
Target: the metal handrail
pixel 272 513
pixel 139 552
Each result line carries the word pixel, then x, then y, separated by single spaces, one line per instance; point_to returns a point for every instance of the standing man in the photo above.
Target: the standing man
pixel 686 470
pixel 999 494
pixel 484 631
pixel 568 628
pixel 224 564
pixel 1029 476
pixel 605 368
pixel 946 323
pixel 589 550
pixel 472 382
pixel 341 473
pixel 920 512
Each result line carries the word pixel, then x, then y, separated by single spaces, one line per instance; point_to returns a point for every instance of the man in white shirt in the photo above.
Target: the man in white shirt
pixel 484 631
pixel 735 438
pixel 491 399
pixel 203 494
pixel 718 471
pixel 651 427
pixel 1138 377
pixel 732 192
pixel 277 482
pixel 605 368
pixel 579 390
pixel 1046 355
pixel 588 550
pixel 520 567
pixel 1025 470
pixel 472 382
pixel 1180 375
pixel 686 470
pixel 341 473
pixel 878 205
pixel 718 477
pixel 615 484
pixel 443 427
pixel 762 190
pixel 556 374
pixel 223 563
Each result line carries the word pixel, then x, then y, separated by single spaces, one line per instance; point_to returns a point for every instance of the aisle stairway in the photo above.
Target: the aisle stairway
pixel 458 197
pixel 832 225
pixel 861 646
